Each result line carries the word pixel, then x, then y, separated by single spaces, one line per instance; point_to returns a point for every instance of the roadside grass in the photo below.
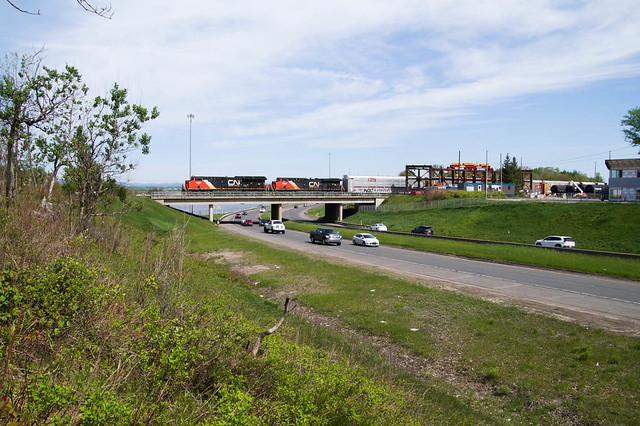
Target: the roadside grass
pixel 443 403
pixel 209 279
pixel 316 212
pixel 498 362
pixel 534 256
pixel 595 226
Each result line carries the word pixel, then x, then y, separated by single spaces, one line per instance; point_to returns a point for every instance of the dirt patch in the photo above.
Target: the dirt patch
pixel 237 261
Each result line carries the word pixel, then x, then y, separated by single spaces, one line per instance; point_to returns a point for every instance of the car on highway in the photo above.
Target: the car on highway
pixel 274 226
pixel 364 239
pixel 244 213
pixel 556 241
pixel 378 227
pixel 426 230
pixel 261 222
pixel 262 210
pixel 325 236
pixel 247 222
pixel 238 216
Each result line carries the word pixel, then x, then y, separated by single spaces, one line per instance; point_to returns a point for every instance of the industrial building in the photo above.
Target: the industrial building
pixel 624 179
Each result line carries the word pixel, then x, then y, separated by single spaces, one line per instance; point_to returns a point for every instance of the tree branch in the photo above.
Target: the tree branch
pixel 102 11
pixel 23 11
pixel 256 346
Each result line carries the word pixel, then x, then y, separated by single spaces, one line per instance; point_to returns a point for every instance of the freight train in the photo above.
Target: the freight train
pixel 258 183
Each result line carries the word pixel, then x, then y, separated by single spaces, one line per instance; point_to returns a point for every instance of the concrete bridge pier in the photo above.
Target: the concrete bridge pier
pixel 276 211
pixel 333 212
pixel 210 212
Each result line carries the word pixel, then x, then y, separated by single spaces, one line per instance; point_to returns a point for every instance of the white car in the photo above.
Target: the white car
pixel 378 227
pixel 365 239
pixel 557 241
pixel 274 226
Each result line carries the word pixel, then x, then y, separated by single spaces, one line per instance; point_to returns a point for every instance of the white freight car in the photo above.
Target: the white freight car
pixel 374 184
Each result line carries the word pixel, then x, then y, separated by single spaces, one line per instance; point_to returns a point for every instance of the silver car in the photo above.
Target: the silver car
pixel 365 239
pixel 557 241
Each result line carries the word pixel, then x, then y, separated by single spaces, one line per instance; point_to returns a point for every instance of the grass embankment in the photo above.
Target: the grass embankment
pixel 484 363
pixel 117 326
pixel 593 225
pixel 163 339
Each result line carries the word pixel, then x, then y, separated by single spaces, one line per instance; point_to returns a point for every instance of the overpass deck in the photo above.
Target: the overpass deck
pixel 283 197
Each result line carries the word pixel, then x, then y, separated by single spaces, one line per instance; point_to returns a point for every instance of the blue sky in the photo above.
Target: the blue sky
pixel 312 89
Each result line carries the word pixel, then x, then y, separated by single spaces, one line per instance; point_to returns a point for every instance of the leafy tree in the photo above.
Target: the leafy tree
pixel 512 173
pixel 631 122
pixel 100 147
pixel 55 146
pixel 31 96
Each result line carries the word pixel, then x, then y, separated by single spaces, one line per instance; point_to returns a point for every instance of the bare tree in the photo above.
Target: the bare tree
pixel 102 10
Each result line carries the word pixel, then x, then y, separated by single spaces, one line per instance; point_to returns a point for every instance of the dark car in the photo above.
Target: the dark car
pixel 426 230
pixel 261 222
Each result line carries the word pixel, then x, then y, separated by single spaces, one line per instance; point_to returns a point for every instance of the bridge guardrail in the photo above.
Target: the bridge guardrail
pixel 240 194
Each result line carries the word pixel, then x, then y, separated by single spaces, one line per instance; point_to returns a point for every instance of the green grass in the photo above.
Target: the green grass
pixel 594 226
pixel 506 363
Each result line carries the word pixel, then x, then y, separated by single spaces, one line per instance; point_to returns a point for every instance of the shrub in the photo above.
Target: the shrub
pixel 59 293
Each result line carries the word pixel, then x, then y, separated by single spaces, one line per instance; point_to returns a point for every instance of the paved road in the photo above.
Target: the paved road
pixel 608 298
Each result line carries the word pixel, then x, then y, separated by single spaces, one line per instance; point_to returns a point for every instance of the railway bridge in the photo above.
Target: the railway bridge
pixel 333 201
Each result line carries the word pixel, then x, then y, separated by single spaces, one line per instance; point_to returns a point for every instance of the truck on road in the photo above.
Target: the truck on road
pixel 325 236
pixel 274 226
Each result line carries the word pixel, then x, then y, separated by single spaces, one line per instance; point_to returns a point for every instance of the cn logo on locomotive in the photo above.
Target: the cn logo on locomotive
pixel 233 182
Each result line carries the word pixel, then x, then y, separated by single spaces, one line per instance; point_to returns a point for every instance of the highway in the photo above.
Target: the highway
pixel 609 302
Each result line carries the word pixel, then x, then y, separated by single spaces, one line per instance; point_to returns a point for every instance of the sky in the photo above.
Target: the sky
pixel 324 89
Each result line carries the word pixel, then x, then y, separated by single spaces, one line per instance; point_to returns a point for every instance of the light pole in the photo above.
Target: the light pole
pixel 190 117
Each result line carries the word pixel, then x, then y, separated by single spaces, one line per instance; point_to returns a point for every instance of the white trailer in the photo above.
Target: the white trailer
pixel 374 184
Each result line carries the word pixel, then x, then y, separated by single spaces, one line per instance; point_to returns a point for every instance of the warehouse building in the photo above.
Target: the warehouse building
pixel 624 179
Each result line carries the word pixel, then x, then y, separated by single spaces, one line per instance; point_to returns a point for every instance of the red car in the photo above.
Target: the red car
pixel 247 222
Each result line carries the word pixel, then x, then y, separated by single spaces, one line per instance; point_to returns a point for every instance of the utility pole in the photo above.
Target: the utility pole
pixel 190 117
pixel 501 188
pixel 486 174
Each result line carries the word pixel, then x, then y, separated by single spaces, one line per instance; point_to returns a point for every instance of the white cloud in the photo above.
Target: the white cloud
pixel 334 73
